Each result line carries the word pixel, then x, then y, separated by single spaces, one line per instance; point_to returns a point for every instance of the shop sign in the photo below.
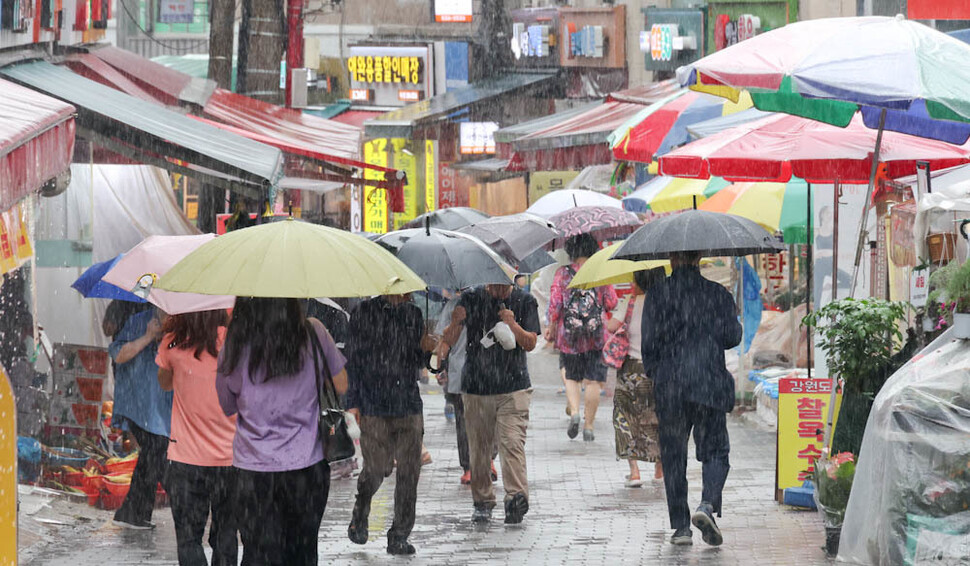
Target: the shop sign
pixel 389 76
pixel 585 42
pixel 447 186
pixel 15 246
pixel 671 37
pixel 531 41
pixel 477 137
pixel 176 11
pixel 802 413
pixel 405 160
pixel 775 265
pixel 919 287
pixel 430 182
pixel 375 199
pixel 453 11
pixel 8 472
pixel 728 32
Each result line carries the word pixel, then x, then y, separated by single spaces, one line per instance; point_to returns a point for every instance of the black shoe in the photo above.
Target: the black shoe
pixel 588 435
pixel 703 519
pixel 516 508
pixel 482 514
pixel 573 429
pixel 134 525
pixel 682 537
pixel 357 531
pixel 399 546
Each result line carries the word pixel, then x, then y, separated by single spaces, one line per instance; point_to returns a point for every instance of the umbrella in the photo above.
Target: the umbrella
pixel 564 199
pixel 709 233
pixel 535 261
pixel 602 222
pixel 153 257
pixel 780 146
pixel 91 285
pixel 774 206
pixel 514 236
pixel 291 259
pixel 706 128
pixel 662 126
pixel 600 269
pixel 448 218
pixel 450 260
pixel 667 194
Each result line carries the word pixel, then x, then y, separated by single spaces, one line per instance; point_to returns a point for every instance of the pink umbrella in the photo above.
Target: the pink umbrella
pixel 141 266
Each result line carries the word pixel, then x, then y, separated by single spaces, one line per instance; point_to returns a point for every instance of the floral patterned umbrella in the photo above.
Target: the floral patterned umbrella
pixel 604 223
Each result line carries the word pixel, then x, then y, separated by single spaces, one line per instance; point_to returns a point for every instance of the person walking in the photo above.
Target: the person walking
pixel 200 474
pixel 388 347
pixel 267 376
pixel 634 405
pixel 577 323
pixel 502 324
pixel 144 410
pixel 687 325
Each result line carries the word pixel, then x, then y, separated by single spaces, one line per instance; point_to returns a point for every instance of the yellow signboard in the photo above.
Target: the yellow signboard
pixel 8 472
pixel 404 160
pixel 375 200
pixel 430 183
pixel 384 69
pixel 803 408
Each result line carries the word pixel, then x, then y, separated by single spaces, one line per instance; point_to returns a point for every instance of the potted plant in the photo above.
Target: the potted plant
pixel 833 483
pixel 958 293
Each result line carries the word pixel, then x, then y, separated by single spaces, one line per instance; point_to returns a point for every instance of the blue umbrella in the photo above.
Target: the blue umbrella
pixel 90 285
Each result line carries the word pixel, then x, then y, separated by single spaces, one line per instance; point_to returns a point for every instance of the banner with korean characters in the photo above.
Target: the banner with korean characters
pixel 802 410
pixel 375 199
pixel 15 246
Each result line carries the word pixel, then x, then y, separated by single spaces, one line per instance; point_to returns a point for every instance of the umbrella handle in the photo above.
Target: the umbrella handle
pixel 444 366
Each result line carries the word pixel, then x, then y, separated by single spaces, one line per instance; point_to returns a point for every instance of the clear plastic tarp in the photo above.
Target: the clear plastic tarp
pixel 910 501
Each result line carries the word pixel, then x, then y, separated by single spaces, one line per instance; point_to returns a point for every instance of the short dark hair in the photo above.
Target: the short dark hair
pixel 196 331
pixel 687 257
pixel 647 278
pixel 581 245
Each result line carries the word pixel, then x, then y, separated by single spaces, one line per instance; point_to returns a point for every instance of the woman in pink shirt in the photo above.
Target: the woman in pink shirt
pixel 201 476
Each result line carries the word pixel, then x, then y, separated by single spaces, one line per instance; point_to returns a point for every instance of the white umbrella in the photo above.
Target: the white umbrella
pixel 564 199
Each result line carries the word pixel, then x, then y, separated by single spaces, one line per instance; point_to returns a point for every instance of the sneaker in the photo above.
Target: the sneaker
pixel 134 525
pixel 466 478
pixel 573 429
pixel 682 537
pixel 399 546
pixel 494 473
pixel 588 435
pixel 516 508
pixel 703 519
pixel 482 514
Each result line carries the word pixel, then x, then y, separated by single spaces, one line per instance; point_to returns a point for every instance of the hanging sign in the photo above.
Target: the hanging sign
pixel 404 160
pixel 382 75
pixel 375 200
pixel 430 182
pixel 176 11
pixel 477 137
pixel 453 11
pixel 802 412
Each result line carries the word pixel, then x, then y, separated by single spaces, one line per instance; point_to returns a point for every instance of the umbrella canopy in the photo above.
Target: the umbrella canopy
pixel 291 259
pixel 774 206
pixel 827 69
pixel 709 233
pixel 450 260
pixel 602 222
pixel 667 194
pixel 91 285
pixel 535 261
pixel 780 146
pixel 514 236
pixel 153 257
pixel 564 199
pixel 600 269
pixel 448 218
pixel 660 127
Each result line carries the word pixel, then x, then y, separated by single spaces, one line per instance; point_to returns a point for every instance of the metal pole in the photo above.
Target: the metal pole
pixel 865 209
pixel 809 274
pixel 835 241
pixel 791 306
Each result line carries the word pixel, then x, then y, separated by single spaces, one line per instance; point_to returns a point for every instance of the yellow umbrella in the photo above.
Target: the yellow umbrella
pixel 291 259
pixel 600 270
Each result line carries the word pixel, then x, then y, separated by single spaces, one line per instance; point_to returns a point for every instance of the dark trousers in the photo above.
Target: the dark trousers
pixel 460 431
pixel 194 491
pixel 280 513
pixel 383 440
pixel 149 472
pixel 713 446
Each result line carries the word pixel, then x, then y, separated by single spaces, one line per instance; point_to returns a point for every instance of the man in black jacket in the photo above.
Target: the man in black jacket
pixel 388 347
pixel 687 324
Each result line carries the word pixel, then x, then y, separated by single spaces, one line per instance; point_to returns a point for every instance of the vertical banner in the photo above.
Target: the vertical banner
pixel 447 186
pixel 802 411
pixel 430 176
pixel 375 200
pixel 8 472
pixel 405 160
pixel 356 208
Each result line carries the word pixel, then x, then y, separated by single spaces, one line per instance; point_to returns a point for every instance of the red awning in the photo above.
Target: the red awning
pixel 166 85
pixel 355 118
pixel 36 141
pixel 90 67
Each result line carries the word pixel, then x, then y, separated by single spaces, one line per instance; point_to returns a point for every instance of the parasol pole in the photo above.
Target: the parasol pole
pixel 865 208
pixel 827 435
pixel 809 272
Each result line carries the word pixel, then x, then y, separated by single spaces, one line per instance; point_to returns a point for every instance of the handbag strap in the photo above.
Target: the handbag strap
pixel 631 302
pixel 323 392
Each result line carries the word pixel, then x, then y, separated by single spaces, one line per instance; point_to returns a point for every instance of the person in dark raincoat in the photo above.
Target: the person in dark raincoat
pixel 388 347
pixel 685 330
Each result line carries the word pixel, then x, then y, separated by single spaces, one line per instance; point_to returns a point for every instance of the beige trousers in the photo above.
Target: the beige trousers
pixel 507 416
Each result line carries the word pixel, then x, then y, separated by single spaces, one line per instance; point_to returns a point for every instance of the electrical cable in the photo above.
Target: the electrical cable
pixel 150 35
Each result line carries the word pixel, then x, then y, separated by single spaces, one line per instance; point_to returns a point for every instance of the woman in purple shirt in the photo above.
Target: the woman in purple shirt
pixel 266 376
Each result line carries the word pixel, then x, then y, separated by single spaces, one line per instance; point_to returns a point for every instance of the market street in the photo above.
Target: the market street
pixel 580 511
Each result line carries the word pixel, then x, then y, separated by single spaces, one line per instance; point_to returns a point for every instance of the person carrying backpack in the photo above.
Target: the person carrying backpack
pixel 577 324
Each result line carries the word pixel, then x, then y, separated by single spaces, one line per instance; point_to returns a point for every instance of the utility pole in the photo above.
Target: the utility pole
pixel 261 50
pixel 222 18
pixel 494 35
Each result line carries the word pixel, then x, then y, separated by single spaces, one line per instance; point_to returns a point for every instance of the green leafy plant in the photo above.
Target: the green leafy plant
pixel 859 336
pixel 833 483
pixel 958 288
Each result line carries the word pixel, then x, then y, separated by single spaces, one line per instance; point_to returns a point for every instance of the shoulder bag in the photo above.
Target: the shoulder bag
pixel 617 346
pixel 338 445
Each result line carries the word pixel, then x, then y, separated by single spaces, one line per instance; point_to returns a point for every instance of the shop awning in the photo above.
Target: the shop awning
pixel 400 123
pixel 91 67
pixel 511 133
pixel 168 85
pixel 491 165
pixel 356 118
pixel 36 141
pixel 590 127
pixel 155 135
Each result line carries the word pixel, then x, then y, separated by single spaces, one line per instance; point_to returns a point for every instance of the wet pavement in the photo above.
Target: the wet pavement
pixel 580 512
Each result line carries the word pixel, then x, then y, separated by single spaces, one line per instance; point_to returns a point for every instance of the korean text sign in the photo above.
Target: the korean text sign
pixel 803 408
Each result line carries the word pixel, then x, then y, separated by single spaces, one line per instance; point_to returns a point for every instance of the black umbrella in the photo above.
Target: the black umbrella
pixel 448 218
pixel 514 236
pixel 709 233
pixel 535 261
pixel 449 260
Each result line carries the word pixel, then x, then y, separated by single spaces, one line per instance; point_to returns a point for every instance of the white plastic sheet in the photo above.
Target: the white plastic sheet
pixel 911 490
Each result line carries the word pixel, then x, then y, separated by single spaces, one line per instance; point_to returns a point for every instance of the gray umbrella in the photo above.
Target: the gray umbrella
pixel 535 261
pixel 449 260
pixel 448 218
pixel 514 236
pixel 710 233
